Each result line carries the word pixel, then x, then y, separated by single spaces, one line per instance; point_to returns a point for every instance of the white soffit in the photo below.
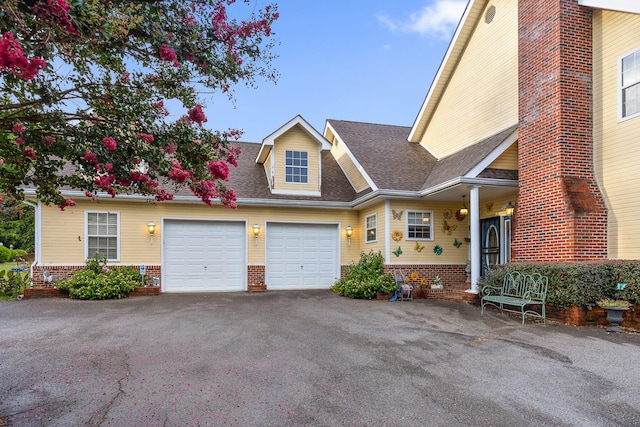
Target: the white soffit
pixel 630 6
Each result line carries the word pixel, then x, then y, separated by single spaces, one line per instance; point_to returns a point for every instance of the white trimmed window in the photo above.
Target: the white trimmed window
pixel 296 166
pixel 371 225
pixel 103 234
pixel 630 85
pixel 419 225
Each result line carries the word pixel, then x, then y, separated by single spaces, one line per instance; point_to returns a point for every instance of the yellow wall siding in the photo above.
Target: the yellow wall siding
pixel 381 232
pixel 350 169
pixel 298 140
pixel 616 154
pixel 482 96
pixel 507 160
pixel 61 244
pixel 444 235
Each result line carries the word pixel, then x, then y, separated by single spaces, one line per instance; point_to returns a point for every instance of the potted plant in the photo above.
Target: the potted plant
pixel 615 308
pixel 437 283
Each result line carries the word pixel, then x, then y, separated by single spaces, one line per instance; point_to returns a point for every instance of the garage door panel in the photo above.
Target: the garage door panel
pixel 301 256
pixel 204 256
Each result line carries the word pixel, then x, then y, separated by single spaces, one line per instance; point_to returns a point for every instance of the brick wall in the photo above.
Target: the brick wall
pixel 59 272
pixel 255 274
pixel 450 274
pixel 560 214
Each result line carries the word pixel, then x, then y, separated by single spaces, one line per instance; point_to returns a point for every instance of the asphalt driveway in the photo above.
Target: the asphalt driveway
pixel 305 358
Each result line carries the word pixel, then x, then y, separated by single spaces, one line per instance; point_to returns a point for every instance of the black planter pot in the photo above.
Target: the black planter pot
pixel 614 317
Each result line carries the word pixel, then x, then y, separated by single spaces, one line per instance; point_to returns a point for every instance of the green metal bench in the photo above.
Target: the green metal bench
pixel 519 293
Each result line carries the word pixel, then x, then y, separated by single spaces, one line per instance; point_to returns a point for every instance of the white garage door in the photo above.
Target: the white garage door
pixel 301 256
pixel 204 256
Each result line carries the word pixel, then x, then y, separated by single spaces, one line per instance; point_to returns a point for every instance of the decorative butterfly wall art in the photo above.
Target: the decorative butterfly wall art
pixel 418 247
pixel 447 228
pixel 398 251
pixel 457 243
pixel 397 216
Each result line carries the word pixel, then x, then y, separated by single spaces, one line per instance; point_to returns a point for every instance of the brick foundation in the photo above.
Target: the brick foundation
pixel 560 215
pixel 59 272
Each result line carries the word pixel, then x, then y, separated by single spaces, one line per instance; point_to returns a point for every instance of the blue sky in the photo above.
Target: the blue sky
pixel 360 60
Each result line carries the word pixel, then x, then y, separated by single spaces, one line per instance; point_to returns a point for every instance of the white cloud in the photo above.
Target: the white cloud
pixel 439 19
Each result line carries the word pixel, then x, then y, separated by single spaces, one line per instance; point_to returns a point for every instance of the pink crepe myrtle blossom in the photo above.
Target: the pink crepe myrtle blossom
pixel 166 53
pixel 20 141
pixel 90 158
pixel 104 181
pixel 171 148
pixel 48 140
pixel 19 128
pixel 146 137
pixel 13 59
pixel 138 176
pixel 162 196
pixel 109 142
pixel 67 203
pixel 219 170
pixel 177 173
pixel 30 153
pixel 197 115
pixel 206 190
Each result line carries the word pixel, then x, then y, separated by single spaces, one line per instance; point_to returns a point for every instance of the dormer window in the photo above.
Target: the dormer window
pixel 296 167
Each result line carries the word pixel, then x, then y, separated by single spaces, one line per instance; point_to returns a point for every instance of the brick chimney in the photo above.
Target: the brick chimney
pixel 561 215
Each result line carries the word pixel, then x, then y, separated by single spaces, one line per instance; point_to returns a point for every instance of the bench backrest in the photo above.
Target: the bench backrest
pixel 530 286
pixel 537 285
pixel 513 284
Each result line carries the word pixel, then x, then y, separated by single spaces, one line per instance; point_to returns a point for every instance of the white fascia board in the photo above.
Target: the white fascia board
pixel 362 171
pixel 267 143
pixel 629 6
pixel 484 163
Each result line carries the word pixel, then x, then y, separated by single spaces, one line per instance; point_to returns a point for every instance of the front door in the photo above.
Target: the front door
pixel 489 243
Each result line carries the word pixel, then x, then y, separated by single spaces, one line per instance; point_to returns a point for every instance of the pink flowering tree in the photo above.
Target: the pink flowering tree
pixel 86 88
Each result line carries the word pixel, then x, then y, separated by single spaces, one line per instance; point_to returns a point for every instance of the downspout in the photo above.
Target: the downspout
pixel 387 225
pixel 36 246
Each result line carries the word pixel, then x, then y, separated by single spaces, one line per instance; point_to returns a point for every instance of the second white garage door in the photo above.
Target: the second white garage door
pixel 204 256
pixel 301 256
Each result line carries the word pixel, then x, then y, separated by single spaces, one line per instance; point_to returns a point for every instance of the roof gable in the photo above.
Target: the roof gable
pixel 267 143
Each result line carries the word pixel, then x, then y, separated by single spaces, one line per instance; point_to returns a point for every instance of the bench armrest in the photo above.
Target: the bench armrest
pixel 491 290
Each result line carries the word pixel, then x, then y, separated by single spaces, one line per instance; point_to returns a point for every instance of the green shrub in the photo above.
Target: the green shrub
pixel 364 279
pixel 5 254
pixel 12 283
pixel 97 281
pixel 579 284
pixel 17 253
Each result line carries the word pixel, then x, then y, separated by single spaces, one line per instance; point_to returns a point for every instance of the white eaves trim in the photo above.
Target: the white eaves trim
pixel 630 6
pixel 362 171
pixel 482 165
pixel 267 143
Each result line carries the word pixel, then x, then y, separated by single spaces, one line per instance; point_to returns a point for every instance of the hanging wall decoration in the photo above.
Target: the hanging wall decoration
pixel 457 243
pixel 398 251
pixel 397 216
pixel 437 249
pixel 418 247
pixel 396 235
pixel 448 228
pixel 447 214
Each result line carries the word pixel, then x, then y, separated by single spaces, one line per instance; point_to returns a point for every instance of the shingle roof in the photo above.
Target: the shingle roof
pixel 389 159
pixel 460 163
pixel 249 180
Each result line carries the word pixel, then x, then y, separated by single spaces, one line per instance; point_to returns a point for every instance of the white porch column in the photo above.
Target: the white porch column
pixel 474 222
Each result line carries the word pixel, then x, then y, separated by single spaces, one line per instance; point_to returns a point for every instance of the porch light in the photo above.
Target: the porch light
pixel 464 211
pixel 510 209
pixel 256 232
pixel 151 227
pixel 349 234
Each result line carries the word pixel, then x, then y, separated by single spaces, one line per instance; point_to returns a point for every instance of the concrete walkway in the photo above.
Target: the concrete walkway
pixel 307 358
